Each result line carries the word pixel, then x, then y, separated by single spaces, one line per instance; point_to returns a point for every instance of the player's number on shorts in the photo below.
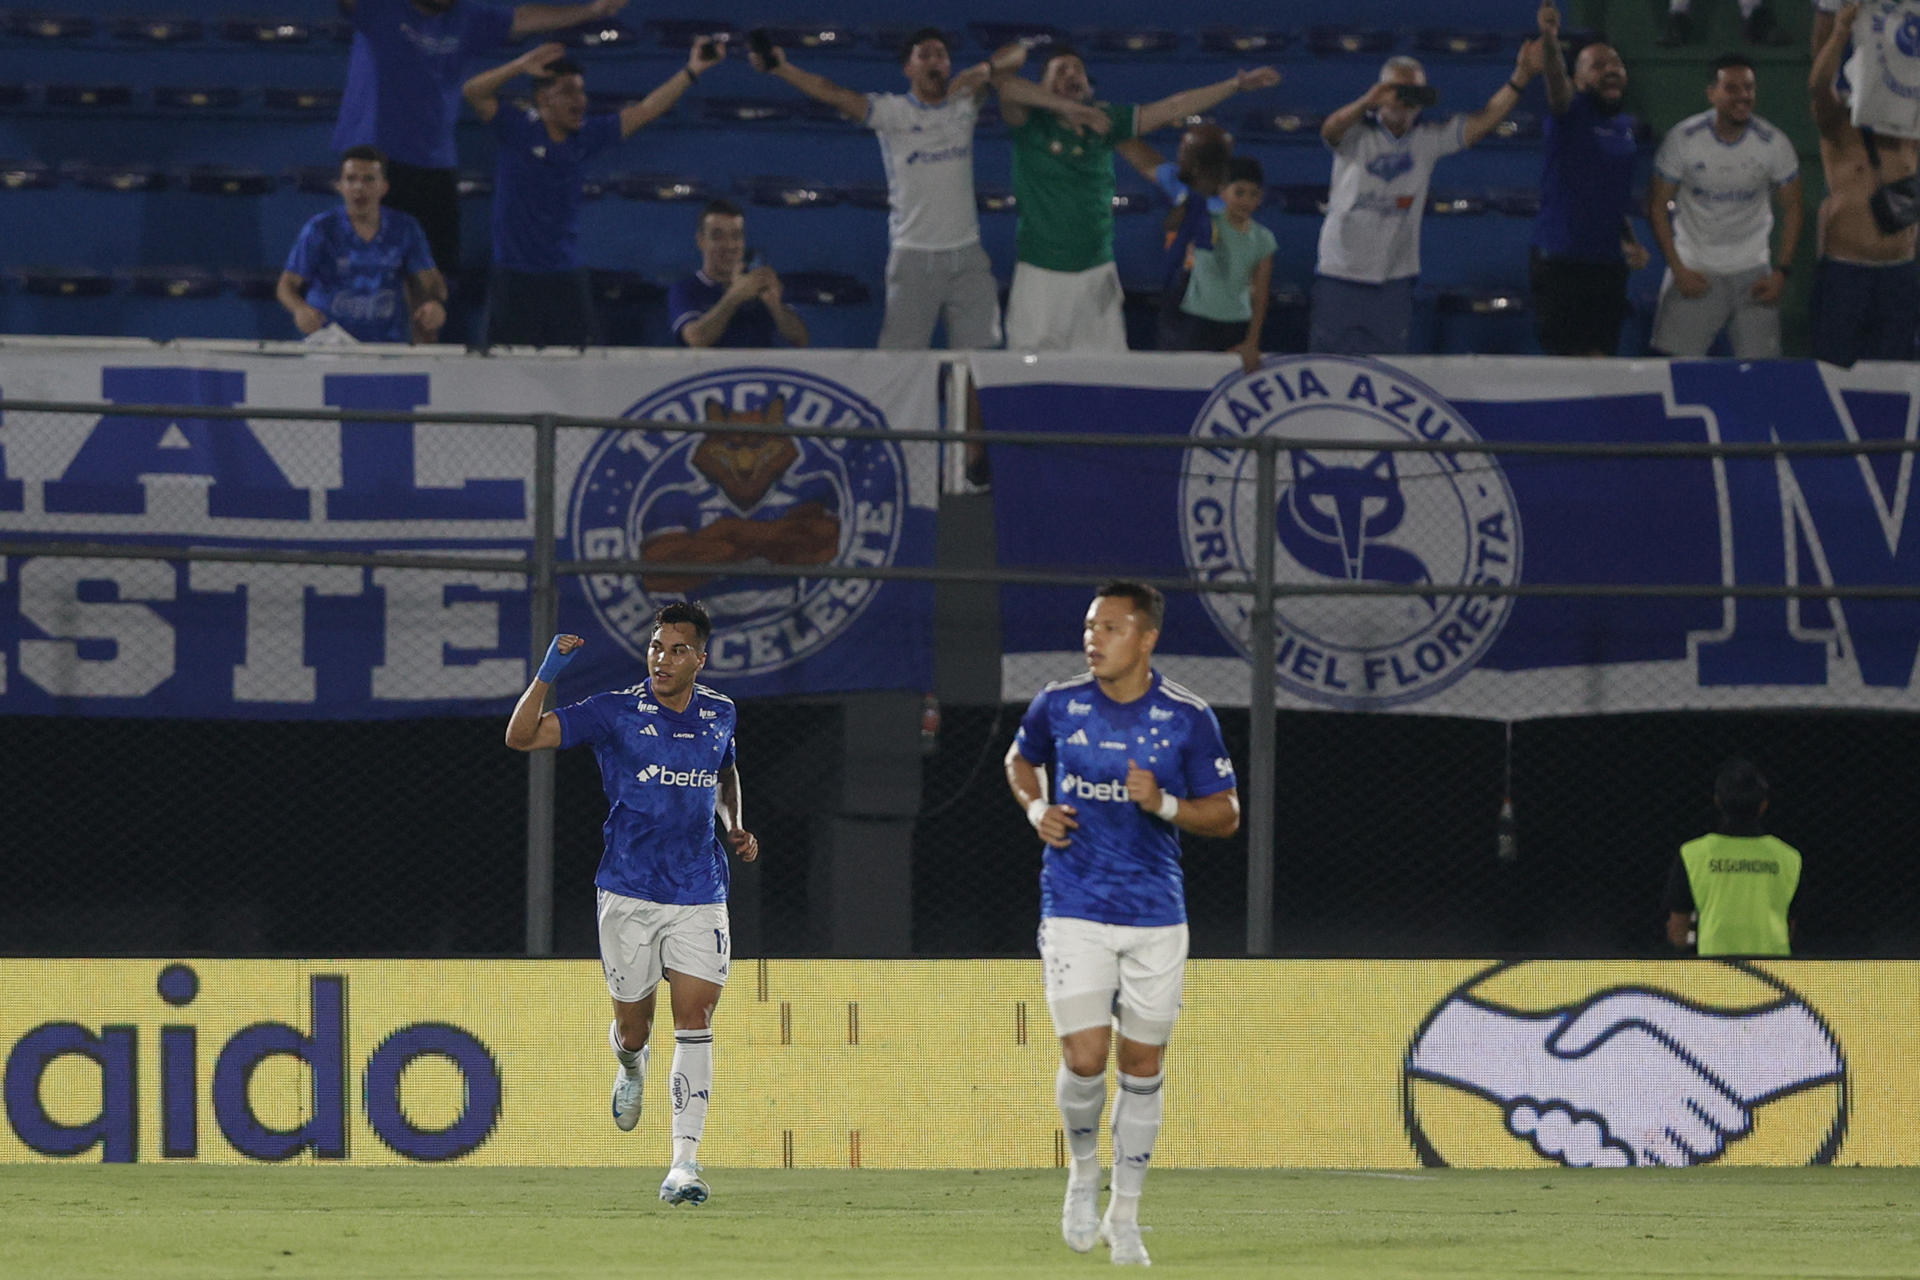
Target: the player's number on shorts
pixel 720 941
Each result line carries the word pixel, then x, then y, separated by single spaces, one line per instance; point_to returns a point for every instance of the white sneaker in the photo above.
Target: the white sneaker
pixel 1080 1214
pixel 1123 1238
pixel 629 1087
pixel 683 1186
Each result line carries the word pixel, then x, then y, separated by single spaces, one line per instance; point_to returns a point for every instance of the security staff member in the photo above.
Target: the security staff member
pixel 1739 880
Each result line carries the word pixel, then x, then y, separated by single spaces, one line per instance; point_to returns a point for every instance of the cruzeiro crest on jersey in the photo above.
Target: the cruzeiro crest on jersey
pixel 1359 515
pixel 741 501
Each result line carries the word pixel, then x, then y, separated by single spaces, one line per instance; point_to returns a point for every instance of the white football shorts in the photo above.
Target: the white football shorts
pixel 1094 970
pixel 639 940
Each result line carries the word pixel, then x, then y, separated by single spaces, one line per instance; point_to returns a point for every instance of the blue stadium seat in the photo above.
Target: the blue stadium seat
pixel 1331 40
pixel 1244 42
pixel 780 192
pixel 749 110
pixel 1444 41
pixel 1134 200
pixel 1516 202
pixel 1454 204
pixel 678 33
pixel 992 199
pixel 28 176
pixel 824 289
pixel 608 33
pixel 220 180
pixel 58 282
pixel 1521 127
pixel 205 98
pixel 50 26
pixel 625 288
pixel 1288 124
pixel 864 195
pixel 115 177
pixel 320 104
pixel 315 179
pixel 665 188
pixel 174 282
pixel 1133 40
pixel 823 37
pixel 251 283
pixel 1482 321
pixel 1305 198
pixel 160 31
pixel 991 35
pixel 89 97
pixel 474 185
pixel 274 32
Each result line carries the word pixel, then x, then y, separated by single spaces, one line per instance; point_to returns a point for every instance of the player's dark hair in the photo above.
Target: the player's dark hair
pixel 1147 601
pixel 720 207
pixel 365 151
pixel 1740 791
pixel 1246 169
pixel 685 611
pixel 1726 60
pixel 555 71
pixel 920 37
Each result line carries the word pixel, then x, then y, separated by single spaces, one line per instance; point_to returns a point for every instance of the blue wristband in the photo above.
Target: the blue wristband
pixel 555 661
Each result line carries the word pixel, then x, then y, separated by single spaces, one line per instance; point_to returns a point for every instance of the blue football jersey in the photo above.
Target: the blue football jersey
pixel 661 771
pixel 1122 866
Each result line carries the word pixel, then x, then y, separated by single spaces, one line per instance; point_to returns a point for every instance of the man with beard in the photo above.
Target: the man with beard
pixel 403 95
pixel 1866 292
pixel 1717 169
pixel 1583 246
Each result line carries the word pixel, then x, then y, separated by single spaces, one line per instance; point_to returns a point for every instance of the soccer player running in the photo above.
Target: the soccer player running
pixel 667 761
pixel 1134 760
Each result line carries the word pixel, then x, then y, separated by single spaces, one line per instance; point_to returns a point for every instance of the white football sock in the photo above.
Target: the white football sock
pixel 692 1083
pixel 630 1059
pixel 1137 1111
pixel 1081 1099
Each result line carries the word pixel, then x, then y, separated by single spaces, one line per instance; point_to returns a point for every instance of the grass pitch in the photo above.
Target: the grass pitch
pixel 210 1222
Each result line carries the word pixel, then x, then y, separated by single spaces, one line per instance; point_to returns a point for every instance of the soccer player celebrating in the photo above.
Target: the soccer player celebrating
pixel 666 754
pixel 1134 760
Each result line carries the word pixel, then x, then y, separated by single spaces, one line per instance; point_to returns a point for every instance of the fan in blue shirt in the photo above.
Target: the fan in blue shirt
pixel 538 294
pixel 730 301
pixel 356 265
pixel 1134 760
pixel 667 762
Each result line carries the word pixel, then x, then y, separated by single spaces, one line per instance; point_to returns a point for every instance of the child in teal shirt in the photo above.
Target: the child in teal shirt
pixel 1226 299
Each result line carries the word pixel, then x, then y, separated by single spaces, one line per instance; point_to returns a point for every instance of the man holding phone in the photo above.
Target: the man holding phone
pixel 1383 158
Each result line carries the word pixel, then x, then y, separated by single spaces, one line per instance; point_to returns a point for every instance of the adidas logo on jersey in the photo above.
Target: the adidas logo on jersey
pixel 1161 713
pixel 678 777
pixel 1079 738
pixel 649 732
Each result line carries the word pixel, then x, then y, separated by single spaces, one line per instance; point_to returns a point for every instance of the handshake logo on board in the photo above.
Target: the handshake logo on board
pixel 1670 1073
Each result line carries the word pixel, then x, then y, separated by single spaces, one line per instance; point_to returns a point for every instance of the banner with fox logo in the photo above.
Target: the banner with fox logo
pixel 127 637
pixel 1351 512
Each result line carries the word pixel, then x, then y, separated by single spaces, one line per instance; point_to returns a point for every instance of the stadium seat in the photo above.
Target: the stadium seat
pixel 115 177
pixel 1306 198
pixel 174 282
pixel 162 31
pixel 13 96
pixel 1287 125
pixel 267 31
pixel 1522 127
pixel 664 188
pixel 89 97
pixel 57 282
pixel 1453 204
pixel 318 103
pixel 864 195
pixel 1482 321
pixel 1444 41
pixel 219 180
pixel 474 185
pixel 824 289
pixel 1517 202
pixel 608 33
pixel 1134 201
pixel 315 180
pixel 1243 41
pixel 624 288
pixel 1330 40
pixel 749 110
pixel 209 98
pixel 1133 40
pixel 989 199
pixel 28 176
pixel 991 35
pixel 822 36
pixel 50 26
pixel 251 283
pixel 678 33
pixel 787 193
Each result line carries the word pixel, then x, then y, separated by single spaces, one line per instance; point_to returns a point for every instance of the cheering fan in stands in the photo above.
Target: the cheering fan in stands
pixel 403 93
pixel 362 267
pixel 1066 291
pixel 728 303
pixel 538 294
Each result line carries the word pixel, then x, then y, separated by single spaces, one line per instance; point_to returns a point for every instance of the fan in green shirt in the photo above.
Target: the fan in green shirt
pixel 1739 880
pixel 1063 144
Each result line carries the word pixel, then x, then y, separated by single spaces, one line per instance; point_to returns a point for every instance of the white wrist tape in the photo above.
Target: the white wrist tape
pixel 1169 806
pixel 1036 811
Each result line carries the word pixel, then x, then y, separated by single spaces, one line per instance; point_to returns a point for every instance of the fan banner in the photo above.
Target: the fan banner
pixel 126 637
pixel 1348 511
